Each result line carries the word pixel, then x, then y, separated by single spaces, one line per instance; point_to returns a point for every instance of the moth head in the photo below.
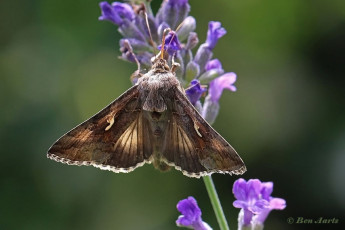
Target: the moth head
pixel 160 64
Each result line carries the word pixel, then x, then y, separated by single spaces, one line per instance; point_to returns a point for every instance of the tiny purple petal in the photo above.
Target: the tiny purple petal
pixel 277 204
pixel 116 12
pixel 172 44
pixel 253 189
pixel 213 64
pixel 258 206
pixel 239 189
pixel 214 33
pixel 190 211
pixel 191 215
pixel 124 10
pixel 195 91
pixel 184 221
pixel 213 69
pixel 266 190
pixel 247 217
pixel 260 218
pixel 217 86
pixel 274 204
pixel 108 13
pixel 240 204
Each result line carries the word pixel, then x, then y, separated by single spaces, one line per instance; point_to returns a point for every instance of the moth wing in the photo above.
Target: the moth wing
pixel 113 139
pixel 194 147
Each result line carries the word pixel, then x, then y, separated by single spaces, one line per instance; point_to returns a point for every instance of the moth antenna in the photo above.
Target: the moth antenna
pixel 203 86
pixel 177 29
pixel 171 39
pixel 179 26
pixel 148 28
pixel 163 41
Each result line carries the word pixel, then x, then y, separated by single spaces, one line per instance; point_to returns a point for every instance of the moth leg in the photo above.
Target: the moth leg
pixel 137 72
pixel 127 48
pixel 111 122
pixel 174 64
pixel 136 75
pixel 196 128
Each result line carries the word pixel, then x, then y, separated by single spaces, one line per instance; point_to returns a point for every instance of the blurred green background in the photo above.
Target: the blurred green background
pixel 59 66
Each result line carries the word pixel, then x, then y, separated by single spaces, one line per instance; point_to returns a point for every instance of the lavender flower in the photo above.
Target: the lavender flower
pixel 213 69
pixel 171 44
pixel 191 215
pixel 213 64
pixel 116 13
pixel 136 45
pixel 173 12
pixel 211 105
pixel 273 203
pixel 217 86
pixel 215 31
pixel 204 53
pixel 195 91
pixel 188 26
pixel 254 199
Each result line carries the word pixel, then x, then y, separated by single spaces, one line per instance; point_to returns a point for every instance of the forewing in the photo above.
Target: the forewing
pixel 113 139
pixel 194 147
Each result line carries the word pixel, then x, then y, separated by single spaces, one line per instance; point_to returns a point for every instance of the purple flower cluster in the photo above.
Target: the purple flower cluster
pixel 191 215
pixel 194 69
pixel 254 199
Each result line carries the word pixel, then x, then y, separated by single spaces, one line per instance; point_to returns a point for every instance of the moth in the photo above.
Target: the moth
pixel 152 122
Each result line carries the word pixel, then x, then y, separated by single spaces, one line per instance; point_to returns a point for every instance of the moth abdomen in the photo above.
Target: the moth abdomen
pixel 156 116
pixel 157 132
pixel 161 165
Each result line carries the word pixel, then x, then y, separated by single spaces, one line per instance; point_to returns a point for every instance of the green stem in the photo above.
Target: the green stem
pixel 217 207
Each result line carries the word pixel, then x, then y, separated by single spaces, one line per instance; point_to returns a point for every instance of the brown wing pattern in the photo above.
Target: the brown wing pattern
pixel 112 139
pixel 194 147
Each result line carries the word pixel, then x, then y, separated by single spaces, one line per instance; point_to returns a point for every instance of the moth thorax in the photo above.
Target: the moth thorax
pixel 154 101
pixel 155 89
